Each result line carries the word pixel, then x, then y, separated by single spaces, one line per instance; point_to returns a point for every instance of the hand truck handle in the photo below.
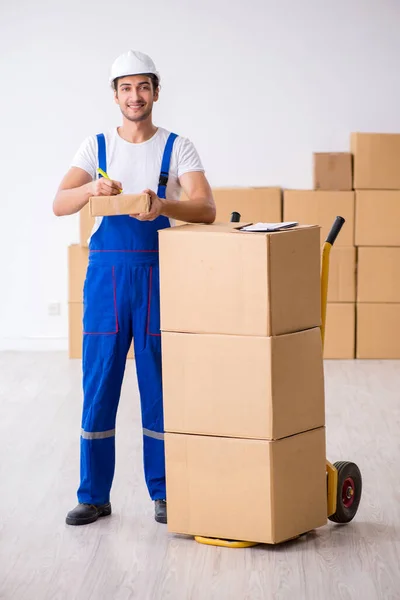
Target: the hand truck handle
pixel 334 232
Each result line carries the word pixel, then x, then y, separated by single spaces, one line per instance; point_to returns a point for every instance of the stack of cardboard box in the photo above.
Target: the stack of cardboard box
pixel 243 382
pixel 332 196
pixel 377 235
pixel 372 214
pixel 78 256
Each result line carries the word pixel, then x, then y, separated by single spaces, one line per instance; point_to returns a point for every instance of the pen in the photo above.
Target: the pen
pixel 104 174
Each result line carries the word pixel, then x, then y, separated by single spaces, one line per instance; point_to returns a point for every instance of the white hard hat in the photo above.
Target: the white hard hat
pixel 132 63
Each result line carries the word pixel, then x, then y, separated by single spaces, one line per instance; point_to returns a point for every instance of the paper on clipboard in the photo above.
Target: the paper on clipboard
pixel 269 226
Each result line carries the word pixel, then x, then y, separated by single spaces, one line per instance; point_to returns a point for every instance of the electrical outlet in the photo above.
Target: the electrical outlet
pixel 54 309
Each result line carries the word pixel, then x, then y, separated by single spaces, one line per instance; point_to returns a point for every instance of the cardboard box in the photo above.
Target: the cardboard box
pixel 377 218
pixel 321 208
pixel 122 204
pixel 250 490
pixel 75 335
pixel 378 275
pixel 78 259
pixel 378 327
pixel 75 315
pixel 333 171
pixel 376 160
pixel 342 274
pixel 86 224
pixel 216 279
pixel 340 330
pixel 238 386
pixel 253 204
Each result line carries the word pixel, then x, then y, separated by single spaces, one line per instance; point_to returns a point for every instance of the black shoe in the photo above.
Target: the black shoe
pixel 160 513
pixel 83 514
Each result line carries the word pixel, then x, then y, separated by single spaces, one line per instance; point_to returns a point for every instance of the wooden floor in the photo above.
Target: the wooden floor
pixel 129 555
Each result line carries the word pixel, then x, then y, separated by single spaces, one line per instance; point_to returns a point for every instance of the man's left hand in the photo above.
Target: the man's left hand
pixel 156 208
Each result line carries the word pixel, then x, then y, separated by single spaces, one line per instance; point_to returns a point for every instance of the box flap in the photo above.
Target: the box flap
pixel 228 228
pixel 204 228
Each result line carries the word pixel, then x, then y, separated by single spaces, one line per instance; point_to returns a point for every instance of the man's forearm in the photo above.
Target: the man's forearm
pixel 68 202
pixel 191 211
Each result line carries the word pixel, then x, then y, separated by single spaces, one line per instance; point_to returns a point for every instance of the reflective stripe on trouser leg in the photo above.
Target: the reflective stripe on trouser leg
pixel 153 434
pixel 97 435
pixel 154 462
pixel 97 470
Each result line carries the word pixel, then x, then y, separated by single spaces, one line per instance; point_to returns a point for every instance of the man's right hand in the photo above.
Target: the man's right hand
pixel 104 187
pixel 77 187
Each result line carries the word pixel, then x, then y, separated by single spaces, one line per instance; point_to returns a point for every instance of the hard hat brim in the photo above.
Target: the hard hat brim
pixel 112 79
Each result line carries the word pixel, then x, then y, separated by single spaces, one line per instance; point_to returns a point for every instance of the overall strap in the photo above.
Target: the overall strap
pixel 166 161
pixel 101 153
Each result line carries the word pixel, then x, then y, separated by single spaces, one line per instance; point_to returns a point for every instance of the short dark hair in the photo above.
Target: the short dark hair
pixel 154 80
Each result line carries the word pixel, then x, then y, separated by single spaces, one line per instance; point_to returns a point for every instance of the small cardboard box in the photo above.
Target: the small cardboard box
pixel 75 328
pixel 321 208
pixel 78 258
pixel 239 386
pixel 340 330
pixel 333 171
pixel 376 160
pixel 248 490
pixel 378 275
pixel 86 224
pixel 342 274
pixel 121 204
pixel 216 279
pixel 377 218
pixel 378 327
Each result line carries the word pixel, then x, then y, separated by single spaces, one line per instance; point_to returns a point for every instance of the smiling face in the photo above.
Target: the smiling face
pixel 135 96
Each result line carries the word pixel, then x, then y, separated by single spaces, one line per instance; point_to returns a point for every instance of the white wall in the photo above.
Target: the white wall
pixel 258 85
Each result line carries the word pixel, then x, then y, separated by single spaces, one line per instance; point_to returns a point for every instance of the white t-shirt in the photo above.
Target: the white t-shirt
pixel 138 166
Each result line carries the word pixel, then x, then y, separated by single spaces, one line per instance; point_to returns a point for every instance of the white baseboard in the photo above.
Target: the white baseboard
pixel 34 344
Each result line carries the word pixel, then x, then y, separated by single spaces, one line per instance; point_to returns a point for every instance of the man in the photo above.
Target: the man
pixel 121 291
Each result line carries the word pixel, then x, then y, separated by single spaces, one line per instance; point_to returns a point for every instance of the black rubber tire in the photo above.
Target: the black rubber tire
pixel 345 514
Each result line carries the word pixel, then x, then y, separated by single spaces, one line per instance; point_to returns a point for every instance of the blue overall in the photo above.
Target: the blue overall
pixel 121 300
